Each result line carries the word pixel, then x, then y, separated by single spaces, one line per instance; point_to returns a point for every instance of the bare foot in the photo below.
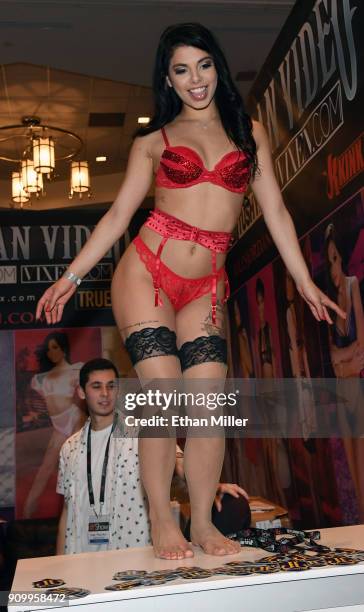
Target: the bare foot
pixel 212 541
pixel 168 541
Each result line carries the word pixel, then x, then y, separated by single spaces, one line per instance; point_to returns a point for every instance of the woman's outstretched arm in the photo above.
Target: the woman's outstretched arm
pixel 280 225
pixel 111 226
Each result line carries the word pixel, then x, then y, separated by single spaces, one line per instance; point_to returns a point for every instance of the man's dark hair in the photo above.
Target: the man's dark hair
pixel 95 365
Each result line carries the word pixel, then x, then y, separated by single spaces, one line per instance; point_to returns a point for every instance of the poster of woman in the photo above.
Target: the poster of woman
pixel 241 352
pixel 298 330
pixel 264 324
pixel 267 365
pixel 48 410
pixel 312 498
pixel 337 252
pixel 7 426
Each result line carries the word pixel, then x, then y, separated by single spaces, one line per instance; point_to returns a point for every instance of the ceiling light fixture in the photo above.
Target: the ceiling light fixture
pixel 19 196
pixel 80 178
pixel 101 158
pixel 36 147
pixel 32 181
pixel 143 119
pixel 43 154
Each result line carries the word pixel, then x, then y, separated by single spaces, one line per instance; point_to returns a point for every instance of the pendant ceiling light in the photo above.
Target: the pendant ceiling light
pixel 19 196
pixel 43 154
pixel 32 181
pixel 80 177
pixel 38 147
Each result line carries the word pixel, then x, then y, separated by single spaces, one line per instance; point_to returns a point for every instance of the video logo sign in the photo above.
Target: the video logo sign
pixel 8 275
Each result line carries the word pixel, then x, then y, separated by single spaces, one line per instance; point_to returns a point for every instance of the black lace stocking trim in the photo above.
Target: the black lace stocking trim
pixel 151 342
pixel 203 350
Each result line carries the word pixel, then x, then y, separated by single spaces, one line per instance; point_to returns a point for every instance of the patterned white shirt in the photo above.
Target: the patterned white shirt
pixel 125 499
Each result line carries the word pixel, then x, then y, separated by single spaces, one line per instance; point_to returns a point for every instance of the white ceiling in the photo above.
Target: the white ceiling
pixel 62 59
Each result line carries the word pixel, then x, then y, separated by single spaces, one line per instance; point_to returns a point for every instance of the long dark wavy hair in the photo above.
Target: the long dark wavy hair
pixel 61 338
pixel 237 124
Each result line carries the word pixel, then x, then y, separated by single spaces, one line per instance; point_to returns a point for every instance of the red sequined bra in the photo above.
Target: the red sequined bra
pixel 182 167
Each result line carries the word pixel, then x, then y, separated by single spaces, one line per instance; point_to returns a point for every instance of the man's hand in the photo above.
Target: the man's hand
pixel 231 489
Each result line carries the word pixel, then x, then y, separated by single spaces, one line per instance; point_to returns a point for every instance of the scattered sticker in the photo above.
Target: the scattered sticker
pixel 70 592
pixel 48 583
pixel 293 566
pixel 196 574
pixel 123 586
pixel 341 560
pixel 129 575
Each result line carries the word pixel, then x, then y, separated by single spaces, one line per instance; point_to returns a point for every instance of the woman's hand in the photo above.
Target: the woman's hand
pixel 318 302
pixel 54 299
pixel 231 489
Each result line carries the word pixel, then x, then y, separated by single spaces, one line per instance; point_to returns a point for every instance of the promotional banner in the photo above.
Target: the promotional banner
pixel 35 250
pixel 40 363
pixel 309 97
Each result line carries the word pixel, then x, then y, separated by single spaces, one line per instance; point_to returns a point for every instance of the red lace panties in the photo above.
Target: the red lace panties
pixel 217 242
pixel 179 289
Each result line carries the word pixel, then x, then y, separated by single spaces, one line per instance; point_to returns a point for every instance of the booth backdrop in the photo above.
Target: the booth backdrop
pixel 35 249
pixel 309 97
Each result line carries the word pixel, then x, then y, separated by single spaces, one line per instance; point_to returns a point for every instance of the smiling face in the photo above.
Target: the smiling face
pixel 54 353
pixel 193 76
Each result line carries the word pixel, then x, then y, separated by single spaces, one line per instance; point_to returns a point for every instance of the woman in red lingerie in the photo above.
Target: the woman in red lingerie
pixel 170 285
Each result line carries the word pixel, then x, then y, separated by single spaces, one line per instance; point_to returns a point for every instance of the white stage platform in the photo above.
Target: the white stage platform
pixel 314 589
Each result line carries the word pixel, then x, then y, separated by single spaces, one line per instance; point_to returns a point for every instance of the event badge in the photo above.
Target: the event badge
pixel 99 529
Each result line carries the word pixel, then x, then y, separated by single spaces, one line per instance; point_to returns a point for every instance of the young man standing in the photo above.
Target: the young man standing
pixel 104 503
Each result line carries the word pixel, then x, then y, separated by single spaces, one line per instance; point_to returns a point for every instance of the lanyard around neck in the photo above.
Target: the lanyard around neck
pixel 103 474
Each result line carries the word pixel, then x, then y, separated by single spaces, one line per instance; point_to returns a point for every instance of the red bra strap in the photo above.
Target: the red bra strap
pixel 165 137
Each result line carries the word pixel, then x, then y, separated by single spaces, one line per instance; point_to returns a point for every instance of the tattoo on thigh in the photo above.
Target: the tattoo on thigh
pixel 139 324
pixel 217 329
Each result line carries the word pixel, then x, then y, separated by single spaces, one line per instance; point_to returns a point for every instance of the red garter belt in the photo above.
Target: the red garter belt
pixel 170 227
